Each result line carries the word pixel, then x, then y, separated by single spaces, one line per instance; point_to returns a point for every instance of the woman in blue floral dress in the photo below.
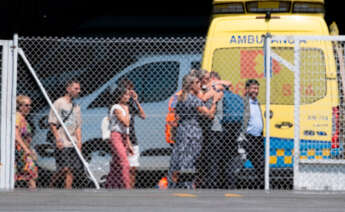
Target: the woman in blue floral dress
pixel 189 137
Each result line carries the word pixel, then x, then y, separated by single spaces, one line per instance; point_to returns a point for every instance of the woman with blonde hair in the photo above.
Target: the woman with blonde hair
pixel 26 169
pixel 189 133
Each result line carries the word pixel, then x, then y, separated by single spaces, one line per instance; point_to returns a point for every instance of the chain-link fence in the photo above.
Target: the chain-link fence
pixel 188 135
pixel 154 66
pixel 307 110
pixel 244 120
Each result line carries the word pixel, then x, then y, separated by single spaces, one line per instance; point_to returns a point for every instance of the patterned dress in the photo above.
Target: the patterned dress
pixel 26 168
pixel 188 136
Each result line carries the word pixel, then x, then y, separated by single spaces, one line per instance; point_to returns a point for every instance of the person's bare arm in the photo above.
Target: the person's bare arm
pixel 78 136
pixel 124 119
pixel 210 112
pixel 142 114
pixel 23 143
pixel 58 140
pixel 207 112
pixel 129 146
pixel 206 96
pixel 219 84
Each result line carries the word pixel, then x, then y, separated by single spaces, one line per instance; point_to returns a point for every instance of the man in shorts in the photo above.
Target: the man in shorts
pixel 66 157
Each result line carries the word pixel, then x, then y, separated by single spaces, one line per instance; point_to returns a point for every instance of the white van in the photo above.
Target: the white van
pixel 156 78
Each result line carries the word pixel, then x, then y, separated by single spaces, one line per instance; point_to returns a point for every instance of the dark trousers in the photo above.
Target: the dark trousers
pixel 255 149
pixel 219 149
pixel 204 161
pixel 211 154
pixel 226 163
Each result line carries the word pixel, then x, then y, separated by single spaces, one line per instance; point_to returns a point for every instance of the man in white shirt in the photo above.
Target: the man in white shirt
pixel 67 159
pixel 253 128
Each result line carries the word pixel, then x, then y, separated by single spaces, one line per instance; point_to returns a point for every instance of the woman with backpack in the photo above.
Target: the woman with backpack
pixel 119 174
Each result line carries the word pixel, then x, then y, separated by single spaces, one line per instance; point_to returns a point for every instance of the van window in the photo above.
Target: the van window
pixel 155 82
pixel 195 65
pixel 239 64
pixel 103 100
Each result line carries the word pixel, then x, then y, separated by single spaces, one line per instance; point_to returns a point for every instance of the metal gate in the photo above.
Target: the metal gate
pixel 307 125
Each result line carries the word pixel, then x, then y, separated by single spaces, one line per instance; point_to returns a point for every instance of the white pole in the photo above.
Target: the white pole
pixel 13 101
pixel 7 118
pixel 21 53
pixel 296 111
pixel 4 160
pixel 268 102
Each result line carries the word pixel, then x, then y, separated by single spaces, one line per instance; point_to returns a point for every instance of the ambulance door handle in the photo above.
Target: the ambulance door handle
pixel 283 124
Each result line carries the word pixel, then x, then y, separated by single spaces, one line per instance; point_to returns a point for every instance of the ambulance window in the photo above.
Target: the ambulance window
pixel 239 64
pixel 313 84
pixel 155 82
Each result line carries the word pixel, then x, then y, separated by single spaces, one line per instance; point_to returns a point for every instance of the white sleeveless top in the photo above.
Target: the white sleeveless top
pixel 115 124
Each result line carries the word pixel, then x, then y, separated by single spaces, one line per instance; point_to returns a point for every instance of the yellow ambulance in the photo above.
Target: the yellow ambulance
pixel 234 49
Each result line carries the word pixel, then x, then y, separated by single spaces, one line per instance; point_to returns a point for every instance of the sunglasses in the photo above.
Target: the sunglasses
pixel 26 105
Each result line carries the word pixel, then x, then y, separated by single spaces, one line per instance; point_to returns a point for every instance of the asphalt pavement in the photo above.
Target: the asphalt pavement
pixel 170 200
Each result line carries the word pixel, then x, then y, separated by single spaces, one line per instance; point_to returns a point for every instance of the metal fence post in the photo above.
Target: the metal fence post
pixel 267 48
pixel 14 49
pixel 8 112
pixel 5 64
pixel 296 109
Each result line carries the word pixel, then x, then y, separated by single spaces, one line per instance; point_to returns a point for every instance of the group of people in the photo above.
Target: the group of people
pixel 204 134
pixel 208 125
pixel 67 160
pixel 117 129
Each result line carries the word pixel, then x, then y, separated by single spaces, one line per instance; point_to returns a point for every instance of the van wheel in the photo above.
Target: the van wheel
pixel 94 145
